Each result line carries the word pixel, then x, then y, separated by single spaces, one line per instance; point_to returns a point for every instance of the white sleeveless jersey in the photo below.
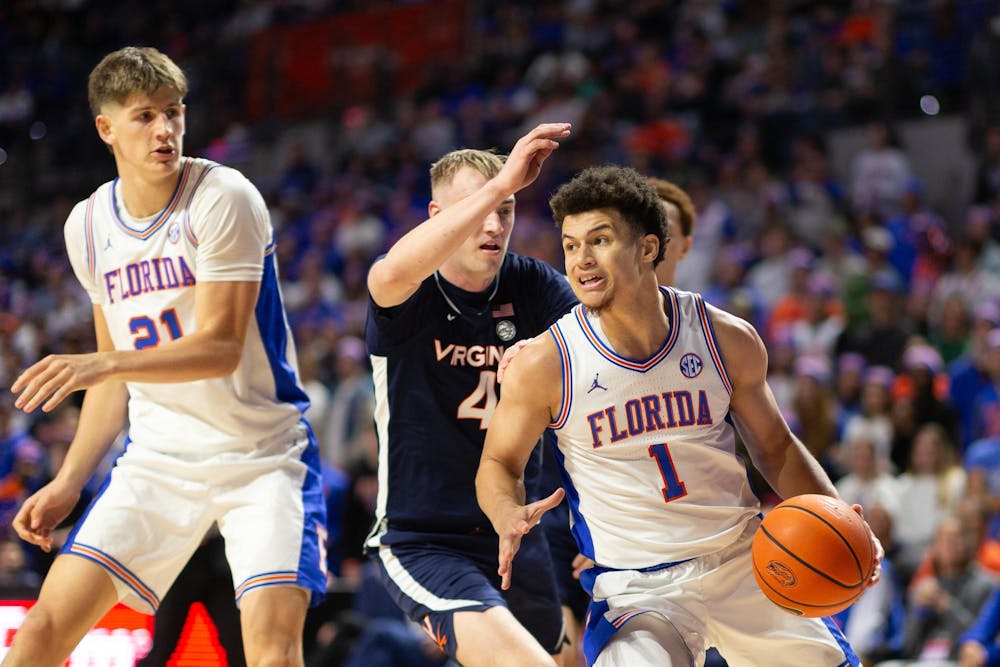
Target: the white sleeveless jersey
pixel 646 447
pixel 142 273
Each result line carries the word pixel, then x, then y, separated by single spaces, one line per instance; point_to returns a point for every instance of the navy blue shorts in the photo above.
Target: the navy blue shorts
pixel 431 579
pixel 564 549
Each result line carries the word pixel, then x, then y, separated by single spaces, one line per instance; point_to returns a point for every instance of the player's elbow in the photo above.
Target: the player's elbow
pixel 390 284
pixel 225 358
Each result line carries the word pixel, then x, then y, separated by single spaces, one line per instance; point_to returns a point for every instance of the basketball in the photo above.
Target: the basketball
pixel 812 555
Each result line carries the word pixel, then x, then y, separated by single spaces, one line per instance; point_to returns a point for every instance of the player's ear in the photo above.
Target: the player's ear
pixel 685 242
pixel 650 247
pixel 104 129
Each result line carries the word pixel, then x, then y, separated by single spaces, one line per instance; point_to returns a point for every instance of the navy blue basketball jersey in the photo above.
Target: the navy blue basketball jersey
pixel 434 360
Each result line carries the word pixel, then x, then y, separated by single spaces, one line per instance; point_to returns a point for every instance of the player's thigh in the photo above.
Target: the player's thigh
pixel 646 639
pixel 571 654
pixel 432 583
pixel 273 523
pixel 494 638
pixel 745 625
pixel 142 528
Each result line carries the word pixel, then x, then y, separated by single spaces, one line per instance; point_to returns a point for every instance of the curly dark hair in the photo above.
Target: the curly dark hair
pixel 621 188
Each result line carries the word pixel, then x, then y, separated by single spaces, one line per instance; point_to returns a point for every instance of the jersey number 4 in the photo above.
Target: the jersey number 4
pixel 147 333
pixel 481 403
pixel 673 488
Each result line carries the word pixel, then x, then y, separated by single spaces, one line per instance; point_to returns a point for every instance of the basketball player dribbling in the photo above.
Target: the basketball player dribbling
pixel 194 349
pixel 659 500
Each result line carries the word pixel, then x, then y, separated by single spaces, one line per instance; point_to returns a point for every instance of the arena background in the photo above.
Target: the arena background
pixel 764 111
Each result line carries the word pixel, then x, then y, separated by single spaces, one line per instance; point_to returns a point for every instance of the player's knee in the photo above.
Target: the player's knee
pixel 272 650
pixel 39 640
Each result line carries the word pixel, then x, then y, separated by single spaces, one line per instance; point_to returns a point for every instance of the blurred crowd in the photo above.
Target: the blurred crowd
pixel 880 310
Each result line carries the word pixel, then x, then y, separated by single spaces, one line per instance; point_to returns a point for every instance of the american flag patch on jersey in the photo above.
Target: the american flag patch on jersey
pixel 503 310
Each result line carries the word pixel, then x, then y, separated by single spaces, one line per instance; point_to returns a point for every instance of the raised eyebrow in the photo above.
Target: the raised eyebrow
pixel 603 227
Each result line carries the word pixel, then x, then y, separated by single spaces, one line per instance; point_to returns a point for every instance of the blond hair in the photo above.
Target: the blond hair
pixel 133 69
pixel 485 162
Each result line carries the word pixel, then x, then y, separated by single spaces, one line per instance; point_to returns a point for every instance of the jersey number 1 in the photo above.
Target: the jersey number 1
pixel 673 487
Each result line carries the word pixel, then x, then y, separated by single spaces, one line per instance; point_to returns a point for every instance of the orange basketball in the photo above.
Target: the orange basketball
pixel 812 555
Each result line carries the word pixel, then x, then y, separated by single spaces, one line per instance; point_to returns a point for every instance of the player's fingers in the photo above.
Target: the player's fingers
pixel 542 506
pixel 58 397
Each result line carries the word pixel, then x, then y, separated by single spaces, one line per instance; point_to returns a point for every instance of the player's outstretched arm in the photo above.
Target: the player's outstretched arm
pixel 213 349
pixel 101 420
pixel 520 418
pixel 781 457
pixel 422 250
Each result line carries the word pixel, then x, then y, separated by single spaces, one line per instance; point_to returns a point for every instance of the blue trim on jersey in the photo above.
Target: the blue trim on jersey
pixel 274 332
pixel 580 530
pixel 597 631
pixel 851 658
pixel 711 340
pixel 86 512
pixel 566 371
pixel 312 564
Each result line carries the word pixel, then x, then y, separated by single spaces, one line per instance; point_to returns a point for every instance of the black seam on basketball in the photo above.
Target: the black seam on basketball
pixel 857 561
pixel 805 564
pixel 777 591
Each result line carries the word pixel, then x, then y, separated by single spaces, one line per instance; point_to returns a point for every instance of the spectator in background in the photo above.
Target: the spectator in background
pixel 814 408
pixel 968 375
pixel 822 318
pixel 848 384
pixel 929 491
pixel 866 482
pixel 874 624
pixel 944 602
pixel 880 171
pixel 982 467
pixel 882 335
pixel 873 422
pixel 979 646
pixel 922 379
pixel 352 402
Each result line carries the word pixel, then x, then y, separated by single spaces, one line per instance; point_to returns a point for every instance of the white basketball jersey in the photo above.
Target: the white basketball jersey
pixel 142 273
pixel 646 447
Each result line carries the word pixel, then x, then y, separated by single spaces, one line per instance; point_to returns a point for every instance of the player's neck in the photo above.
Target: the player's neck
pixel 143 196
pixel 636 328
pixel 470 282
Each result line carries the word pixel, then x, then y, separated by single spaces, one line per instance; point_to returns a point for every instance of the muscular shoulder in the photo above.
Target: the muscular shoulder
pixel 535 373
pixel 741 347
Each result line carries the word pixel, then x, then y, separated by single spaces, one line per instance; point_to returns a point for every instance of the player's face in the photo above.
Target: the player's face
pixel 604 258
pixel 479 258
pixel 146 132
pixel 676 248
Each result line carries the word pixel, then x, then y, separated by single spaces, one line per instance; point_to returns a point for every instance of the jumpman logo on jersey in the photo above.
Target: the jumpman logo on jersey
pixel 108 246
pixel 596 385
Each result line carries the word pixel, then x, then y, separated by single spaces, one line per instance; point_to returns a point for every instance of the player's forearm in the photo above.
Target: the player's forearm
pixel 422 250
pixel 796 472
pixel 196 356
pixel 102 418
pixel 498 489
